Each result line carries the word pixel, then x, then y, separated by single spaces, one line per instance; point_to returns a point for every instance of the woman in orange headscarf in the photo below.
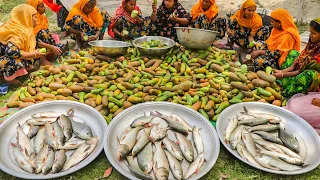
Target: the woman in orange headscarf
pixel 17 43
pixel 246 26
pixel 283 39
pixel 86 23
pixel 42 32
pixel 204 16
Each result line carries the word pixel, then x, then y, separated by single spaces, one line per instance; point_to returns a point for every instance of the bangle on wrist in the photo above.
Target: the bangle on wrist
pixel 281 74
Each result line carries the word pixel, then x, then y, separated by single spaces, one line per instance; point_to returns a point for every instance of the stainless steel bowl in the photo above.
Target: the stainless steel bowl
pixel 307 137
pixel 154 51
pixel 110 47
pixel 193 38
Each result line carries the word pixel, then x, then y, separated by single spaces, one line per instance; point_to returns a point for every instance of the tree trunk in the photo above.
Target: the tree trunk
pixel 302 12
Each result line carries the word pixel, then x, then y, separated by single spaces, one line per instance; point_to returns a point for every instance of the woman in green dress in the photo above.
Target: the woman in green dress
pixel 303 74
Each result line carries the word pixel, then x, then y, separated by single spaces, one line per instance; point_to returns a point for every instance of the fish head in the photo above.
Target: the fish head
pixel 162 173
pixel 189 154
pixel 123 151
pixel 178 155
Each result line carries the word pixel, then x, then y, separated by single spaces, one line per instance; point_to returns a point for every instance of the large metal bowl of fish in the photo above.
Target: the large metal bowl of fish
pixel 194 38
pixel 64 136
pixel 154 45
pixel 269 138
pixel 110 47
pixel 143 129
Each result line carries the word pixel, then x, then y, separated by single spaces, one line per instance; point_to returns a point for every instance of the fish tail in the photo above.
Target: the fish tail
pixel 70 112
pixel 245 110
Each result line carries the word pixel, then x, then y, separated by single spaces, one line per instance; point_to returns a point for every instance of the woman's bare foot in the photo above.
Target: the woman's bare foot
pixel 315 102
pixel 43 61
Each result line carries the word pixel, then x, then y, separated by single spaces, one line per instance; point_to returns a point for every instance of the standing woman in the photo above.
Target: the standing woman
pixel 136 26
pixel 17 44
pixel 61 15
pixel 283 43
pixel 169 15
pixel 205 16
pixel 86 23
pixel 246 26
pixel 42 32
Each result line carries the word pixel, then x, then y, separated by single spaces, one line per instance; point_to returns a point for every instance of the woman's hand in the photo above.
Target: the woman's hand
pixel 173 18
pixel 154 9
pixel 251 39
pixel 255 54
pixel 38 54
pixel 276 70
pixel 124 36
pixel 278 75
pixel 315 102
pixel 93 38
pixel 55 50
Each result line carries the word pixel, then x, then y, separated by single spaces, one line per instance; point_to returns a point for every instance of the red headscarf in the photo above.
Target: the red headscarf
pixel 119 13
pixel 54 7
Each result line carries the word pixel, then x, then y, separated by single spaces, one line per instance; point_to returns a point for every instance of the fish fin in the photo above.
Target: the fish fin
pixel 178 142
pixel 147 125
pixel 245 110
pixel 118 140
pixel 227 141
pixel 44 160
pixel 70 112
pixel 22 163
pixel 13 145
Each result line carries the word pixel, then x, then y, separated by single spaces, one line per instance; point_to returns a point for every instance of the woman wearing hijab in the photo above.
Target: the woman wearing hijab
pixel 246 26
pixel 123 26
pixel 17 43
pixel 86 23
pixel 205 16
pixel 170 14
pixel 283 39
pixel 42 32
pixel 302 75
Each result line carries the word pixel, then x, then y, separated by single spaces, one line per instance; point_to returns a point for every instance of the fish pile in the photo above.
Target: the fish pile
pixel 44 139
pixel 166 154
pixel 258 139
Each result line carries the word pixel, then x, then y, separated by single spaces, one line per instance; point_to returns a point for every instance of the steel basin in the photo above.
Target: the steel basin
pixel 154 51
pixel 110 47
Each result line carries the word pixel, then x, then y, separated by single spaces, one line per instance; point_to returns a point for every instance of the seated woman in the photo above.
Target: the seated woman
pixel 169 15
pixel 205 16
pixel 123 26
pixel 284 38
pixel 86 23
pixel 17 44
pixel 43 34
pixel 304 73
pixel 246 26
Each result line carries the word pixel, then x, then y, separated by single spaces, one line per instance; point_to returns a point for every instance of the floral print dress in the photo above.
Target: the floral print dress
pixel 240 35
pixel 46 37
pixel 79 24
pixel 216 24
pixel 9 60
pixel 61 15
pixel 270 59
pixel 165 27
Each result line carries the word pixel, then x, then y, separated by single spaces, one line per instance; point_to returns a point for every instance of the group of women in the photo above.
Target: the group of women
pixel 279 48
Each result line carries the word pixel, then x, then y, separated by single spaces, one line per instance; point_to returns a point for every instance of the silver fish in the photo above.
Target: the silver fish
pixel 185 146
pixel 24 143
pixel 141 142
pixel 39 140
pixel 231 126
pixel 253 121
pixel 135 168
pixel 52 114
pixel 70 145
pixel 264 128
pixel 81 153
pixel 48 165
pixel 284 157
pixel 288 151
pixel 268 136
pixel 173 123
pixel 256 136
pixel 59 133
pixel 30 130
pixel 249 142
pixel 126 131
pixel 197 139
pixel 141 121
pixel 157 134
pixel 264 161
pixel 244 153
pixel 182 121
pixel 145 158
pixel 81 130
pixel 59 160
pixel 175 166
pixel 289 140
pixel 41 121
pixel 161 164
pixel 41 158
pixel 127 142
pixel 268 145
pixel 276 163
pixel 235 137
pixel 195 166
pixel 173 148
pixel 50 136
pixel 21 160
pixel 272 118
pixel 66 125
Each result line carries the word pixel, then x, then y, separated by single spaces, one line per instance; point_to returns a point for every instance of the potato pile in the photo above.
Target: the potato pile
pixel 207 81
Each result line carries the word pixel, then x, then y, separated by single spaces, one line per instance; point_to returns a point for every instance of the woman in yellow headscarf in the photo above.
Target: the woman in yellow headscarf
pixel 246 26
pixel 284 42
pixel 205 16
pixel 42 32
pixel 86 23
pixel 17 44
